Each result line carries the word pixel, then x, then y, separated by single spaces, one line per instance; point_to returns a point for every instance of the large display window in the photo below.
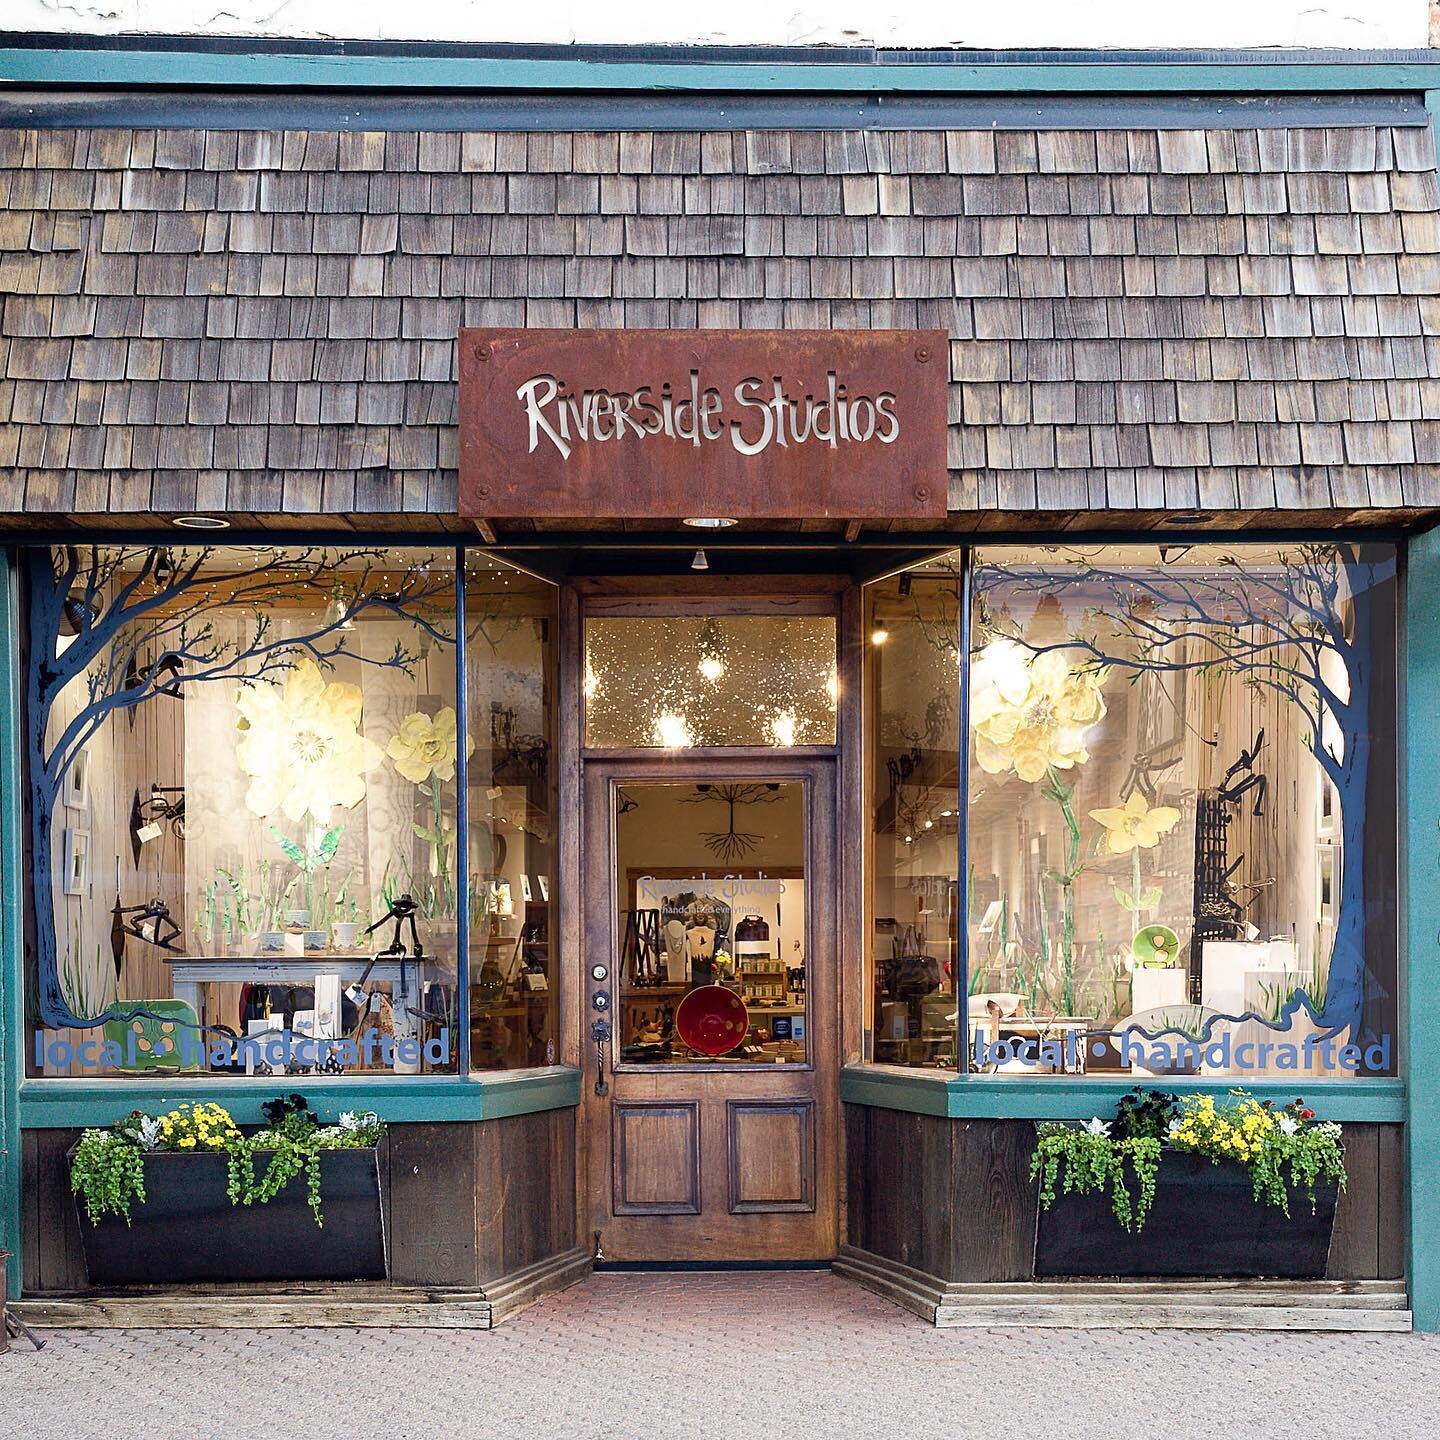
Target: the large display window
pixel 1178 850
pixel 270 834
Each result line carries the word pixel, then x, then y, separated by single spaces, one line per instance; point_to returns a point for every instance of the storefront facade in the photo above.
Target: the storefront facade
pixel 1065 674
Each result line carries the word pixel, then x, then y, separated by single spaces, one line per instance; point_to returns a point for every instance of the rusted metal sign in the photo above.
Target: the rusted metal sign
pixel 772 424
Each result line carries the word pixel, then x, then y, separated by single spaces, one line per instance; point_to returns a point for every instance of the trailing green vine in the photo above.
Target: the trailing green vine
pixel 111 1176
pixel 108 1167
pixel 1084 1160
pixel 1284 1150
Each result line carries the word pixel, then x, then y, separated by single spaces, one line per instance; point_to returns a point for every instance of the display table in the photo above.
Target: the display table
pixel 189 972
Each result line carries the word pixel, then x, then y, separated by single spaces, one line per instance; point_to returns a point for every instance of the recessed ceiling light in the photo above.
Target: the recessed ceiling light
pixel 201 522
pixel 709 522
pixel 1188 517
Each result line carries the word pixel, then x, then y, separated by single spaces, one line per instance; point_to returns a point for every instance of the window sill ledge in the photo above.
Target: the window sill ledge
pixel 1028 1097
pixel 50 1104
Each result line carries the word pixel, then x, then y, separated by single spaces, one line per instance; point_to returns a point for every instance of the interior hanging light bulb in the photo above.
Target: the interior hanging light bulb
pixel 700 562
pixel 783 727
pixel 672 731
pixel 712 665
pixel 337 612
pixel 880 634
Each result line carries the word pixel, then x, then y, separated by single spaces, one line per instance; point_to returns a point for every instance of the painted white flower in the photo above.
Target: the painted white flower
pixel 1097 1126
pixel 423 747
pixel 301 745
pixel 1031 711
pixel 1287 1124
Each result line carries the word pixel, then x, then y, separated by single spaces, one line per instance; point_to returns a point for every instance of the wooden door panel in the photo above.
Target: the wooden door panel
pixel 771 1156
pixel 724 1161
pixel 656 1157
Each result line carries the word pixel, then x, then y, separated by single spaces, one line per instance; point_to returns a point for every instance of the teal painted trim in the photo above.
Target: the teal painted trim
pixel 1420 917
pixel 276 69
pixel 976 1097
pixel 73 1104
pixel 12 949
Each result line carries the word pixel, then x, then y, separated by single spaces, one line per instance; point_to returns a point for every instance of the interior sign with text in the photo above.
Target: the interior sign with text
pixel 783 424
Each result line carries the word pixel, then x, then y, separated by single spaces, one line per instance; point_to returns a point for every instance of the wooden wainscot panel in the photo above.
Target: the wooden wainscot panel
pixel 656 1157
pixel 774 424
pixel 772 1155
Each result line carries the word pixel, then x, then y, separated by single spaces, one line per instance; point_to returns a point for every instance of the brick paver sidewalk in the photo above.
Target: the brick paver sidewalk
pixel 761 1356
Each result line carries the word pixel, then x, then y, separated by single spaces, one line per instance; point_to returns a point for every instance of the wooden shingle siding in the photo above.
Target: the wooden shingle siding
pixel 264 321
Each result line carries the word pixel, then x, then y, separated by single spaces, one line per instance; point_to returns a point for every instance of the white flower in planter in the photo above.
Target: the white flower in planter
pixel 148 1132
pixel 1097 1126
pixel 1287 1124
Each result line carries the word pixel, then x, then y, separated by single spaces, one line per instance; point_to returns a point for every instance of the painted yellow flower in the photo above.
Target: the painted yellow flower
pixel 300 743
pixel 1031 711
pixel 1135 825
pixel 423 747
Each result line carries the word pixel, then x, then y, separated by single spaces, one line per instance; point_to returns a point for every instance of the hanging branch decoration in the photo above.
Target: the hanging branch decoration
pixel 141 622
pixel 1288 626
pixel 731 845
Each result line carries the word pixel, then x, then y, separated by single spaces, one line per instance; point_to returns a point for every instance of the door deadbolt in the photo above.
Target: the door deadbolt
pixel 598 972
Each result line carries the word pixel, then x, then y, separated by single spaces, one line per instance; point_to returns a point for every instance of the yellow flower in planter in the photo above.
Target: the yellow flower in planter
pixel 423 747
pixel 301 745
pixel 1031 711
pixel 1135 825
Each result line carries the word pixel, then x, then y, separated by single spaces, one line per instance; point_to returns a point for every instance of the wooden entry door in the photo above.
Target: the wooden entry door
pixel 731 1158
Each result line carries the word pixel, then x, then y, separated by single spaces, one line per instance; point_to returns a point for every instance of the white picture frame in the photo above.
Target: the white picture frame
pixel 76 878
pixel 77 782
pixel 1327 808
pixel 544 882
pixel 525 891
pixel 1327 883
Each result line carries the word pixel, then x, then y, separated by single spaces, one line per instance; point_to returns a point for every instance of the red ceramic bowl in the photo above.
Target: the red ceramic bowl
pixel 712 1020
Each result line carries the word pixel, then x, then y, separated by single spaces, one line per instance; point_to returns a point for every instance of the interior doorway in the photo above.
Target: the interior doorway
pixel 711 1087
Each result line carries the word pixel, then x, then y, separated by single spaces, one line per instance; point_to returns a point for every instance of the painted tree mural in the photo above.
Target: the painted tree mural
pixel 1299 625
pixel 129 623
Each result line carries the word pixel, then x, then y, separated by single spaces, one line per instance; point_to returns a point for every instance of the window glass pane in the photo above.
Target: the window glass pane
pixel 246 806
pixel 510 621
pixel 912 699
pixel 711 922
pixel 714 680
pixel 1182 809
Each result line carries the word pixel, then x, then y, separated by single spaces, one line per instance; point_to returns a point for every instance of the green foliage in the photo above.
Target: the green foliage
pixel 108 1169
pixel 108 1174
pixel 1087 1159
pixel 1284 1150
pixel 1144 1114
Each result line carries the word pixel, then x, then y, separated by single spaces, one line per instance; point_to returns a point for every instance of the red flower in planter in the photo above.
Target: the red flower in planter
pixel 1307 1114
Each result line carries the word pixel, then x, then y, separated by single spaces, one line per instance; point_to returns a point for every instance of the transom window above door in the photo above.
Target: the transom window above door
pixel 678 681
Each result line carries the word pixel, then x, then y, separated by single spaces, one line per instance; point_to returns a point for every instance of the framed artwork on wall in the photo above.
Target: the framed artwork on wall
pixel 77 782
pixel 77 861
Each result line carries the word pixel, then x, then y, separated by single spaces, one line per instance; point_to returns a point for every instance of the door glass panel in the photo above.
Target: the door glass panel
pixel 711 932
pixel 673 682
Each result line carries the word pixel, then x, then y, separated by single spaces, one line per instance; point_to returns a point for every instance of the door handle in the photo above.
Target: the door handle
pixel 600 1034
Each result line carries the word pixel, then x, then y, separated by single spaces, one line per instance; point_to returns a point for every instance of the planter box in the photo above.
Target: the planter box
pixel 187 1229
pixel 1204 1222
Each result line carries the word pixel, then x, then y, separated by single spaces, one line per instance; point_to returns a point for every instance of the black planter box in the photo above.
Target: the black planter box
pixel 187 1229
pixel 1205 1222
